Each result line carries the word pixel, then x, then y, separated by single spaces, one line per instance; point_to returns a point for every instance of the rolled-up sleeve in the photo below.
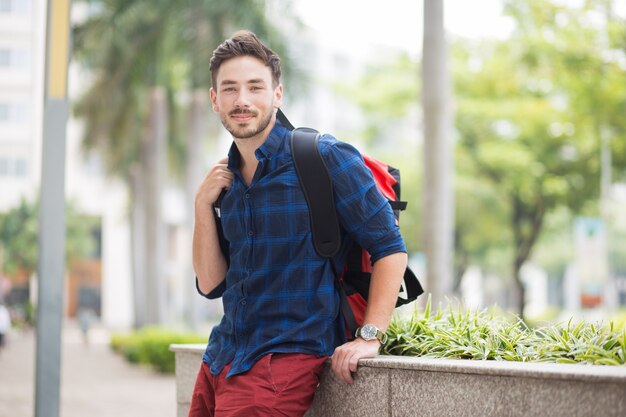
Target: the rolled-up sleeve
pixel 363 211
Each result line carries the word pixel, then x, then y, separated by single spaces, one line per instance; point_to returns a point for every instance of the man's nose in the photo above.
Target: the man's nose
pixel 243 98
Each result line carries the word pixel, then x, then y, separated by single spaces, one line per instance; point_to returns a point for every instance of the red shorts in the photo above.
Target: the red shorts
pixel 279 384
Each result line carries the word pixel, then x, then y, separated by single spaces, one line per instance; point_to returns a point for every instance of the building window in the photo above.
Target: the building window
pixel 20 168
pixel 17 58
pixel 20 59
pixel 15 6
pixel 13 167
pixel 5 58
pixel 5 6
pixel 4 167
pixel 4 112
pixel 14 112
pixel 20 113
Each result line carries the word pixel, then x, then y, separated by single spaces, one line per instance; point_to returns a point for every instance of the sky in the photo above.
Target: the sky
pixel 399 22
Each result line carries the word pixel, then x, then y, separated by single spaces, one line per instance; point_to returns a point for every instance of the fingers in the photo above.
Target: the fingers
pixel 218 178
pixel 341 360
pixel 345 359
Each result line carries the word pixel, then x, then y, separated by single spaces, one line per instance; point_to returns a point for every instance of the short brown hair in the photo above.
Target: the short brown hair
pixel 244 43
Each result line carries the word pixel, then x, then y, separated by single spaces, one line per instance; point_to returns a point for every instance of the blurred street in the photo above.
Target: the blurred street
pixel 95 382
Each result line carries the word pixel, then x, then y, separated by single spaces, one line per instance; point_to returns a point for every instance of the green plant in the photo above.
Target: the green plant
pixel 619 319
pixel 488 335
pixel 150 346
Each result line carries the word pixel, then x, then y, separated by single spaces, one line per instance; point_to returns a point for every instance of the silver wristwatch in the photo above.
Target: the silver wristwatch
pixel 370 332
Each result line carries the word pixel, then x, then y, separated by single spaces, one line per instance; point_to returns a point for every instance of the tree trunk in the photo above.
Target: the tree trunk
pixel 154 166
pixel 137 236
pixel 438 195
pixel 518 292
pixel 527 222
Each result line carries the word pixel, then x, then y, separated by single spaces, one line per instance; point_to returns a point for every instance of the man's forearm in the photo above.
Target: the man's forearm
pixel 208 260
pixel 387 275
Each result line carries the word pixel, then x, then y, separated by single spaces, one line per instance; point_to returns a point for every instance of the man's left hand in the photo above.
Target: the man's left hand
pixel 346 357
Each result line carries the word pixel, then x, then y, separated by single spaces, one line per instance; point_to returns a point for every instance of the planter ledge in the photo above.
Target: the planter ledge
pixel 405 386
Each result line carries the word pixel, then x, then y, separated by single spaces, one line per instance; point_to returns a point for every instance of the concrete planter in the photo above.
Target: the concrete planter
pixel 403 386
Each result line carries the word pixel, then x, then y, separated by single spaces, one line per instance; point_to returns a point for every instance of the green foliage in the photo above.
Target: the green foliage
pixel 150 346
pixel 386 91
pixel 455 333
pixel 18 236
pixel 619 319
pixel 24 315
pixel 532 112
pixel 19 232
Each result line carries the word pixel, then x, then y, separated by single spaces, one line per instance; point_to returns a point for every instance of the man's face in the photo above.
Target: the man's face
pixel 244 97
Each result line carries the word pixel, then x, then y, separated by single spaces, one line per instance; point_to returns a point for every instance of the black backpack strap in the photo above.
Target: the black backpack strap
pixel 217 215
pixel 398 205
pixel 318 191
pixel 412 287
pixel 346 310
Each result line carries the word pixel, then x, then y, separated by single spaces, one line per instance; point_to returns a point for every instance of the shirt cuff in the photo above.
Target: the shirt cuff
pixel 215 293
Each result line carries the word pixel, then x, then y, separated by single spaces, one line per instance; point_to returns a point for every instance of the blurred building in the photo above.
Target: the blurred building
pixel 21 98
pixel 21 107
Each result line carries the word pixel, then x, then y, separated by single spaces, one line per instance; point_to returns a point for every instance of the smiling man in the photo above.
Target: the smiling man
pixel 281 308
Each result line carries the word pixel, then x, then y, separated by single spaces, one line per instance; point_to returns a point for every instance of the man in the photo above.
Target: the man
pixel 281 309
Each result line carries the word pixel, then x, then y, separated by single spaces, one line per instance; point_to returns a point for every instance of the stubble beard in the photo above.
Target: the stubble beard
pixel 241 131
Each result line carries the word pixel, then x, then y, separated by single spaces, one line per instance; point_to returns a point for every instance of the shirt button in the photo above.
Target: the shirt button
pixel 243 302
pixel 250 233
pixel 247 195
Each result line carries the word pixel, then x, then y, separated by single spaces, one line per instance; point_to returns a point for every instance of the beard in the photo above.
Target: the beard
pixel 248 130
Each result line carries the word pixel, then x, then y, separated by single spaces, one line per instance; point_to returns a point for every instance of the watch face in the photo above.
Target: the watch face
pixel 368 332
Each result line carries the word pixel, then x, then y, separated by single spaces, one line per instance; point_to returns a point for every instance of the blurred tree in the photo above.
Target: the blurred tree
pixel 142 55
pixel 531 115
pixel 532 111
pixel 19 231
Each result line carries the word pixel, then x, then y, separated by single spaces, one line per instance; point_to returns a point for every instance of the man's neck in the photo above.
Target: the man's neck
pixel 247 148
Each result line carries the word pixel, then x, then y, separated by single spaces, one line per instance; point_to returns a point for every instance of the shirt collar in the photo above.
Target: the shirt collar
pixel 267 150
pixel 273 143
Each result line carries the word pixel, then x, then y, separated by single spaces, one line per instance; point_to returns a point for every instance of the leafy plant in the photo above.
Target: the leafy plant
pixel 455 333
pixel 150 346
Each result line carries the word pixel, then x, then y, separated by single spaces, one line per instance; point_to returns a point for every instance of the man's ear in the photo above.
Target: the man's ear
pixel 278 96
pixel 213 96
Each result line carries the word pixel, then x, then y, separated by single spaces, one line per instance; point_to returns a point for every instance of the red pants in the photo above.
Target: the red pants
pixel 279 384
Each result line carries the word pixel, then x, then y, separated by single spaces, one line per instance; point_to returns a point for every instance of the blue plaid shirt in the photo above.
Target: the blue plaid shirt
pixel 279 294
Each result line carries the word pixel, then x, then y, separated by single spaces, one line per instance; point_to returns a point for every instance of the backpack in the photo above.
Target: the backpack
pixel 353 282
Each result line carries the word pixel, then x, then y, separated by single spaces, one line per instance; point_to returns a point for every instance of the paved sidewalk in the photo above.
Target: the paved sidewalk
pixel 95 382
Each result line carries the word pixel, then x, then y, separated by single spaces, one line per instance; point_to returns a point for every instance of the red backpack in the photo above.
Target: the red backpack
pixel 353 282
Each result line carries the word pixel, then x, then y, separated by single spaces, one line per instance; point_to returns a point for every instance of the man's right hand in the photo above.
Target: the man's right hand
pixel 218 178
